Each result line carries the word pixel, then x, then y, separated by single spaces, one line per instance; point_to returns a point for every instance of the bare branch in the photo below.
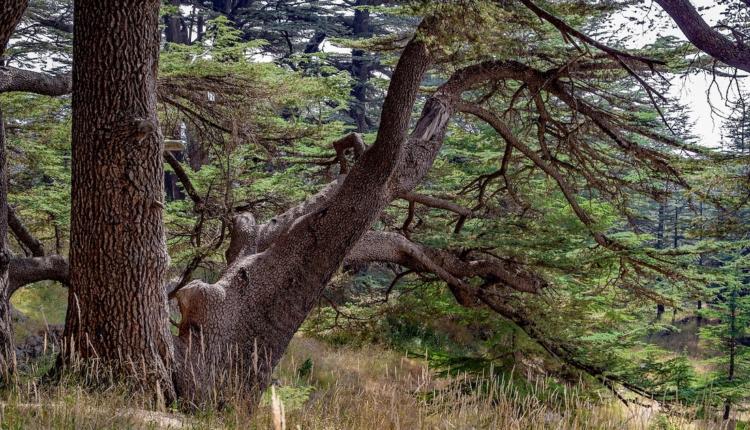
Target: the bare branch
pixel 435 202
pixel 567 31
pixel 184 178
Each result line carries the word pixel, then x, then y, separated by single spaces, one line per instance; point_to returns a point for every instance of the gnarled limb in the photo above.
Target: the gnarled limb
pixel 379 246
pixel 282 284
pixel 705 38
pixel 27 270
pixel 351 141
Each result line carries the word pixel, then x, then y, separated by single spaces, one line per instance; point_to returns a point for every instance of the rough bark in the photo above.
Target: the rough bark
pixel 27 270
pixel 7 348
pixel 12 79
pixel 219 340
pixel 10 15
pixel 117 304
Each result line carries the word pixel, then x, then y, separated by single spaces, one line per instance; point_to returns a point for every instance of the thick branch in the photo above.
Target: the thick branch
pixel 24 271
pixel 12 79
pixel 391 247
pixel 59 23
pixel 705 38
pixel 24 235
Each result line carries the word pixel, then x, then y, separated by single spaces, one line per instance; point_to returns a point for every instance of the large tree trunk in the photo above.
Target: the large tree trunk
pixel 7 346
pixel 10 15
pixel 117 314
pixel 234 332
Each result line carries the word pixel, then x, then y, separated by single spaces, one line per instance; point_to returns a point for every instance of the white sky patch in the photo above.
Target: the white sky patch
pixel 704 96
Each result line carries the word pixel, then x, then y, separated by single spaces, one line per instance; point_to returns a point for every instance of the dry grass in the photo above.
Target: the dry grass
pixel 319 387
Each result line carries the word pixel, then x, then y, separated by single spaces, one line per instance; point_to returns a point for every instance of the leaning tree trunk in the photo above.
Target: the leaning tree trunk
pixel 234 332
pixel 10 15
pixel 117 313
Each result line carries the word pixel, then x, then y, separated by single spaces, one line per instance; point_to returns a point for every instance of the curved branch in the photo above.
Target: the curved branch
pixel 394 248
pixel 705 38
pixel 435 202
pixel 24 271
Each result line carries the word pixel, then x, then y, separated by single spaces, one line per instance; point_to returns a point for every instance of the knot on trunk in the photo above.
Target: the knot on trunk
pixel 244 236
pixel 351 141
pixel 198 303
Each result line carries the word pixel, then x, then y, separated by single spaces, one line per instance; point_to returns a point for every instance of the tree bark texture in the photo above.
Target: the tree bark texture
pixel 7 346
pixel 117 312
pixel 238 328
pixel 10 14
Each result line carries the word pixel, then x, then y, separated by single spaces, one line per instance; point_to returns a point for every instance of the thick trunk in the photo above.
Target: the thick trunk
pixel 10 15
pixel 117 304
pixel 234 332
pixel 7 347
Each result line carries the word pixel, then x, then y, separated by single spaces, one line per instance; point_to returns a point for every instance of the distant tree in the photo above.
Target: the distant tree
pixel 736 128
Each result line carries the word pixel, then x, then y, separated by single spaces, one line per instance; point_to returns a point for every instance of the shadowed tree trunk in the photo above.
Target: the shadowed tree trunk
pixel 660 244
pixel 10 15
pixel 117 310
pixel 361 65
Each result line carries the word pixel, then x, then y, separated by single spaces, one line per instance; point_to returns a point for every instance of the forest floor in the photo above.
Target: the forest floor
pixel 318 386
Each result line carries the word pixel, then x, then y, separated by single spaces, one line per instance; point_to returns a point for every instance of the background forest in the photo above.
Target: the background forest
pixel 575 257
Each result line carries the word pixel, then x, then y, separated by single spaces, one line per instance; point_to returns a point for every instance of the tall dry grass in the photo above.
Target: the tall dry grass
pixel 319 387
